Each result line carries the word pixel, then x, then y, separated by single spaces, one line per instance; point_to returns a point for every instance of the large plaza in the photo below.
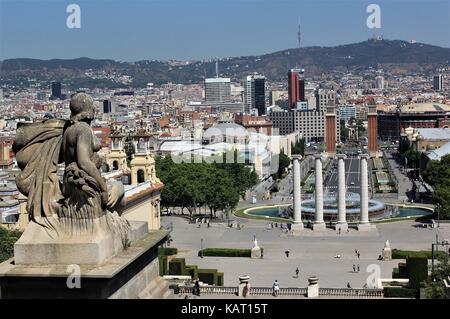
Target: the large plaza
pixel 313 253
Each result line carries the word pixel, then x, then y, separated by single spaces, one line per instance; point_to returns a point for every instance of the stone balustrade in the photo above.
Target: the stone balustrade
pixel 290 291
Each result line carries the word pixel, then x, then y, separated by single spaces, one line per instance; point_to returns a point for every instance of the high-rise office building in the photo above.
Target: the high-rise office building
pixel 56 90
pixel 325 98
pixel 379 82
pixel 296 87
pixel 107 106
pixel 217 90
pixel 255 94
pixel 438 83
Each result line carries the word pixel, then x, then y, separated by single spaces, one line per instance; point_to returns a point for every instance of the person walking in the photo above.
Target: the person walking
pixel 358 267
pixel 297 271
pixel 276 288
pixel 348 285
pixel 287 253
pixel 339 230
pixel 354 268
pixel 359 254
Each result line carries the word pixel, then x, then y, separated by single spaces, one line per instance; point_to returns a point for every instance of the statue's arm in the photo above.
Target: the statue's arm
pixel 84 152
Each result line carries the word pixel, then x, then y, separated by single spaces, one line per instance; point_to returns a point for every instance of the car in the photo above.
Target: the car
pixel 352 183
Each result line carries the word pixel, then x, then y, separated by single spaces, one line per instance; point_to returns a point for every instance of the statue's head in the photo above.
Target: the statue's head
pixel 81 107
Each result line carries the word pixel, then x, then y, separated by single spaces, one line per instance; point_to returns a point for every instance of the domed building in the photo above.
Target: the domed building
pixel 226 131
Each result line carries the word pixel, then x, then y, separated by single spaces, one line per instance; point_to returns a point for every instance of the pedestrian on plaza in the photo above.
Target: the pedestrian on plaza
pixel 297 271
pixel 339 230
pixel 358 267
pixel 356 252
pixel 208 224
pixel 354 268
pixel 287 253
pixel 359 254
pixel 348 285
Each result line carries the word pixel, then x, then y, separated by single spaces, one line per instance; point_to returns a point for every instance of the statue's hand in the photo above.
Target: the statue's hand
pixel 115 192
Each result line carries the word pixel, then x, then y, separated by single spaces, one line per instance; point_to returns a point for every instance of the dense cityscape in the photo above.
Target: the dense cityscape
pixel 273 180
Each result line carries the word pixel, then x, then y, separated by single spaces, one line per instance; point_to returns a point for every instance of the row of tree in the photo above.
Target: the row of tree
pixel 437 175
pixel 213 186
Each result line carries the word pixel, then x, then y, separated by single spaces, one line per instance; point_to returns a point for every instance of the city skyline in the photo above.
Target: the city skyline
pixel 156 30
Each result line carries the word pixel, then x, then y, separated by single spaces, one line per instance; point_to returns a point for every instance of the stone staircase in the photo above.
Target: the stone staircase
pixel 158 289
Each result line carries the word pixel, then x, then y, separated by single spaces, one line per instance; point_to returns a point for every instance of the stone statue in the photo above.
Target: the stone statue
pixel 81 206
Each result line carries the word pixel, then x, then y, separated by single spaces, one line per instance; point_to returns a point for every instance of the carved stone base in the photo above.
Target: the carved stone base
pixel 341 225
pixel 133 273
pixel 297 228
pixel 319 226
pixel 40 246
pixel 366 227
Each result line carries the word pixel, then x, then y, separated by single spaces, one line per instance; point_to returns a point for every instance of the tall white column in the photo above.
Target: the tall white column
pixel 319 224
pixel 341 222
pixel 297 205
pixel 364 194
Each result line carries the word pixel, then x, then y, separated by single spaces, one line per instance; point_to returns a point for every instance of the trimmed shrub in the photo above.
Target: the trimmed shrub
pixel 176 289
pixel 220 278
pixel 225 252
pixel 397 292
pixel 417 268
pixel 395 273
pixel 191 270
pixel 403 254
pixel 177 266
pixel 402 270
pixel 162 265
pixel 167 251
pixel 208 276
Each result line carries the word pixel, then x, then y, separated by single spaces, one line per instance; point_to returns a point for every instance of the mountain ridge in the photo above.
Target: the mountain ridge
pixel 397 55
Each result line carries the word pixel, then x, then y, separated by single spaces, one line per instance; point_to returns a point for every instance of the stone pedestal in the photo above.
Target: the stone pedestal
pixel 387 251
pixel 297 228
pixel 343 226
pixel 256 250
pixel 365 227
pixel 132 273
pixel 319 226
pixel 243 280
pixel 313 287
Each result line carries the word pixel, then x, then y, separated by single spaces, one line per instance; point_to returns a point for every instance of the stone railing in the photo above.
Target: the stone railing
pixel 262 291
pixel 351 292
pixel 209 290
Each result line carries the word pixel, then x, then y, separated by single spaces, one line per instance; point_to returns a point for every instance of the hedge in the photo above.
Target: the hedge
pixel 403 254
pixel 208 276
pixel 162 265
pixel 177 266
pixel 417 268
pixel 397 292
pixel 167 251
pixel 225 252
pixel 220 278
pixel 191 270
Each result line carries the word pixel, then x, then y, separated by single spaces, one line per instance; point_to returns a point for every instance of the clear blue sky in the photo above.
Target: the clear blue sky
pixel 130 30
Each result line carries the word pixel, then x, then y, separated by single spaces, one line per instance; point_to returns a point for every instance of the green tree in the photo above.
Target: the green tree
pixel 344 131
pixel 435 288
pixel 437 174
pixel 283 163
pixel 7 240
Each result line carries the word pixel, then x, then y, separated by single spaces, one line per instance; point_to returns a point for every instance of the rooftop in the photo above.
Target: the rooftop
pixel 425 107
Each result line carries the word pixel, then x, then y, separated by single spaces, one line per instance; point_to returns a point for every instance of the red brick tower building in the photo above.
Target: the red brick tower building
pixel 372 130
pixel 330 131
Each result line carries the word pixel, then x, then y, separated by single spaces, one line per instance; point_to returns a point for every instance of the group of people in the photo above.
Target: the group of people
pixel 355 268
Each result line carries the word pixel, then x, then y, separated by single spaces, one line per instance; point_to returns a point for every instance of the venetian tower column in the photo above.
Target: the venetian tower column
pixel 341 222
pixel 364 194
pixel 319 224
pixel 297 224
